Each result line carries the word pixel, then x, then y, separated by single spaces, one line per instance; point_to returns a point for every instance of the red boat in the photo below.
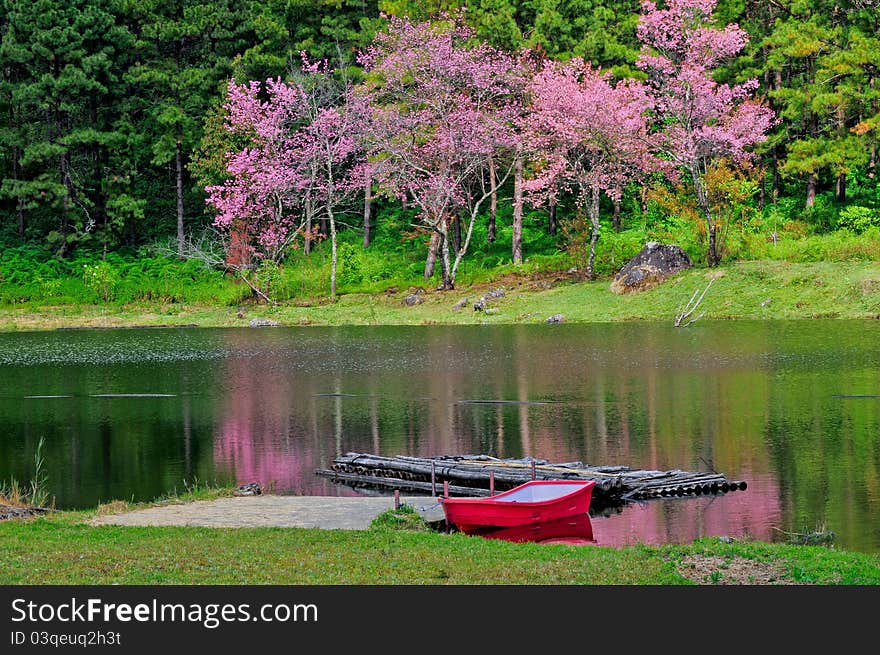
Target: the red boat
pixel 572 530
pixel 538 501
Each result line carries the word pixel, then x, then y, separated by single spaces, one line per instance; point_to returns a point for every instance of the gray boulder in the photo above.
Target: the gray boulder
pixel 652 266
pixel 556 318
pixel 250 489
pixel 415 298
pixel 263 322
pixel 495 293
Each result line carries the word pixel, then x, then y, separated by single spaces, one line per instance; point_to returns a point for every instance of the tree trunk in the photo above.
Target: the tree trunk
pixel 551 226
pixel 433 250
pixel 445 263
pixel 811 190
pixel 517 210
pixel 456 234
pixel 178 163
pixel 712 258
pixel 840 191
pixel 776 179
pixel 777 83
pixel 459 255
pixel 872 162
pixel 493 200
pixel 65 213
pixel 762 192
pixel 332 222
pixel 615 217
pixel 309 208
pixel 368 197
pixel 872 159
pixel 19 203
pixel 307 241
pixel 593 212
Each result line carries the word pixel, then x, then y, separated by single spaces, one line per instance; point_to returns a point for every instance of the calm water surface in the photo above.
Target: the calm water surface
pixel 793 408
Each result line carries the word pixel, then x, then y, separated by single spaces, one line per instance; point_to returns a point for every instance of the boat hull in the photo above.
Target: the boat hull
pixel 553 499
pixel 572 530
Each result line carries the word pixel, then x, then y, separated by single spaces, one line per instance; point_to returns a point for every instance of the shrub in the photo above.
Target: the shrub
pixel 348 265
pixel 858 219
pixel 101 278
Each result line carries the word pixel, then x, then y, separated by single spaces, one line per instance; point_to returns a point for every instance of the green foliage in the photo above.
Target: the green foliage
pixel 858 219
pixel 101 278
pixel 97 98
pixel 268 276
pixel 38 552
pixel 32 275
pixel 403 518
pixel 36 494
pixel 349 265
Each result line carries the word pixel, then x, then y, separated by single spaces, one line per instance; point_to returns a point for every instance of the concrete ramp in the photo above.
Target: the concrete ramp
pixel 325 512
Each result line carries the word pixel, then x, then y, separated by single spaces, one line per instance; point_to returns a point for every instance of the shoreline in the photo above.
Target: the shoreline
pixel 754 290
pixel 37 551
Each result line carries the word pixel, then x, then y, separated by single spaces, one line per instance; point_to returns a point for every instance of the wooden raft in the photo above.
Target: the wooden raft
pixel 469 475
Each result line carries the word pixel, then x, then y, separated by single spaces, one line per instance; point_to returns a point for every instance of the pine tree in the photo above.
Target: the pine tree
pixel 62 63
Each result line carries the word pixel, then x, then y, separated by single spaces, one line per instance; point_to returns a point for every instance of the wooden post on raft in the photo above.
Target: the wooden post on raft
pixel 491 483
pixel 433 479
pixel 446 488
pixel 534 474
pixel 397 499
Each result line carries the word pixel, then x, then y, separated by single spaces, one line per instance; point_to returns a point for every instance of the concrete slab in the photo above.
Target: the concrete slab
pixel 326 512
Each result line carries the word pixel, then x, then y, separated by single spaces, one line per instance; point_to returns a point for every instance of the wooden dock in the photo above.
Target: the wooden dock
pixel 479 475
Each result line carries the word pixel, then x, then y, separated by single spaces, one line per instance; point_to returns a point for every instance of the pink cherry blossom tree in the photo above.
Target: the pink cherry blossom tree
pixel 586 134
pixel 701 119
pixel 303 159
pixel 442 108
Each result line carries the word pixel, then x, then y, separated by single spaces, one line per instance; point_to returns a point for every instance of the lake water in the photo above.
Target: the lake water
pixel 793 408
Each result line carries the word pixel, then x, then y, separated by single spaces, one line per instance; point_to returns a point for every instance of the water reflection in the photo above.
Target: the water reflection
pixel 790 408
pixel 573 530
pixel 754 514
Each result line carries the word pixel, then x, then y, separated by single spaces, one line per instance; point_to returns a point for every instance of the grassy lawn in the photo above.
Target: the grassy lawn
pixel 747 290
pixel 62 549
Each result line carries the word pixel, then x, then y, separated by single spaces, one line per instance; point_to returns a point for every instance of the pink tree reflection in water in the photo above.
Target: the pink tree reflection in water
pixel 263 435
pixel 750 514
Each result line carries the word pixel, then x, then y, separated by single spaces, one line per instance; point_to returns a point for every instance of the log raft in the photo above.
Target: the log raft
pixel 469 475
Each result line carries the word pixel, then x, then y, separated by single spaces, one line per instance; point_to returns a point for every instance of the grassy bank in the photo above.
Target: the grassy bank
pixel 747 290
pixel 62 549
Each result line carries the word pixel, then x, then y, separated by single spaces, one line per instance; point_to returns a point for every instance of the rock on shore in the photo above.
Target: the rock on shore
pixel 652 266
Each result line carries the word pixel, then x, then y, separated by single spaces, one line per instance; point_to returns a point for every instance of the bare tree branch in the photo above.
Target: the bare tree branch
pixel 686 310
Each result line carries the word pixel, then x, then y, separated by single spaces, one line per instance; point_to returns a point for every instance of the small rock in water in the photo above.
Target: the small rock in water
pixel 250 489
pixel 815 538
pixel 263 322
pixel 556 318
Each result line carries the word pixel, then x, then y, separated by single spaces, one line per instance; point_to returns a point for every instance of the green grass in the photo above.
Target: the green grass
pixel 746 290
pixel 61 549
